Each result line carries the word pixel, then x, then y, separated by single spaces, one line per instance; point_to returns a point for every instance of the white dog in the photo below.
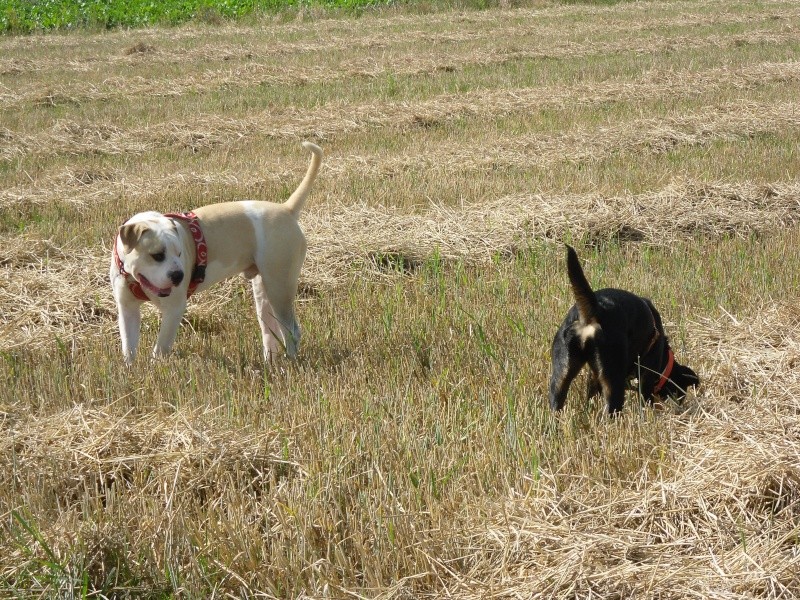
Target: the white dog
pixel 166 258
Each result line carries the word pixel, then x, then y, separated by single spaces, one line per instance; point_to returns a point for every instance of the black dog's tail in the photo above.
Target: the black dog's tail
pixel 585 299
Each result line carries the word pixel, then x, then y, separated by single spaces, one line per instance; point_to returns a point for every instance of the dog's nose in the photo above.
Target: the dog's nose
pixel 176 277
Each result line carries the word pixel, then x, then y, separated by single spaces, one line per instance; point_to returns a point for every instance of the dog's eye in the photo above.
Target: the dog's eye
pixel 158 256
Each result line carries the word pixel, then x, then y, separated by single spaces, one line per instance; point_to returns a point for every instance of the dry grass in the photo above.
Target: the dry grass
pixel 50 294
pixel 472 30
pixel 333 61
pixel 71 137
pixel 409 452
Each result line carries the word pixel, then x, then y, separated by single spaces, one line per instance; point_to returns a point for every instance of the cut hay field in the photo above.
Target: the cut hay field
pixel 409 452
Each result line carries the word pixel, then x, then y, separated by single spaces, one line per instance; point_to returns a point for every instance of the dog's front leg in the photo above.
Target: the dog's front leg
pixel 129 318
pixel 612 378
pixel 171 314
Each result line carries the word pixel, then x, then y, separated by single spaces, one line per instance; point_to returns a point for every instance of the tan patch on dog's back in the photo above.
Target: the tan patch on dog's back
pixel 586 332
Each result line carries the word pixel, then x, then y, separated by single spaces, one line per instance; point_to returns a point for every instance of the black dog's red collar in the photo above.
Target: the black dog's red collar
pixel 201 257
pixel 670 357
pixel 666 372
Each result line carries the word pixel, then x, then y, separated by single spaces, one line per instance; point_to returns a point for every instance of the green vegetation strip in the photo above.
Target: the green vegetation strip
pixel 27 15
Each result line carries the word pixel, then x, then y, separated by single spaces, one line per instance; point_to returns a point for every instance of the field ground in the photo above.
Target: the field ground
pixel 409 451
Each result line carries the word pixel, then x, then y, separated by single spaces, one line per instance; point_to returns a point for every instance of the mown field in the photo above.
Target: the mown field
pixel 409 452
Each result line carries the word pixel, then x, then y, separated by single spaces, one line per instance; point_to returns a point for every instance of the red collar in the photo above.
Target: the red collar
pixel 666 372
pixel 200 247
pixel 134 286
pixel 201 257
pixel 670 357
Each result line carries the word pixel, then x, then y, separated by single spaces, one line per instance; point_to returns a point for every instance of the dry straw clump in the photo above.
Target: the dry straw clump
pixel 188 451
pixel 167 469
pixel 480 231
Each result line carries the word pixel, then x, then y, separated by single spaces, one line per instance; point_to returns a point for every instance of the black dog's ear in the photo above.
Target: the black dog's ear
pixel 689 376
pixel 681 379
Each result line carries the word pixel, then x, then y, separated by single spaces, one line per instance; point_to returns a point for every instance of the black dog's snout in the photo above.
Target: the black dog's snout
pixel 176 277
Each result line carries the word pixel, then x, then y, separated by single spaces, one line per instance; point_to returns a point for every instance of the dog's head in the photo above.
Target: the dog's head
pixel 680 380
pixel 152 252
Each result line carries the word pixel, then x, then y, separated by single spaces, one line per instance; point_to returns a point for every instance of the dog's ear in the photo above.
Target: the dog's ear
pixel 682 379
pixel 689 377
pixel 131 234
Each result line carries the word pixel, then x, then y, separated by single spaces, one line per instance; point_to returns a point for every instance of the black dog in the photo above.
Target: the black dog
pixel 620 336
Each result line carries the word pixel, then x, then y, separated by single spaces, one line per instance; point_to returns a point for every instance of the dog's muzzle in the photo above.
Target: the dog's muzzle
pixel 176 277
pixel 160 292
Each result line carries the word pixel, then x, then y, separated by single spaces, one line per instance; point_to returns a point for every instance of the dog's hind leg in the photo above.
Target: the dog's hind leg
pixel 279 282
pixel 282 303
pixel 566 364
pixel 270 328
pixel 593 387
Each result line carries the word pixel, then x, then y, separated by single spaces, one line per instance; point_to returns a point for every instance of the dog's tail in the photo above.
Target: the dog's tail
pixel 585 299
pixel 297 200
